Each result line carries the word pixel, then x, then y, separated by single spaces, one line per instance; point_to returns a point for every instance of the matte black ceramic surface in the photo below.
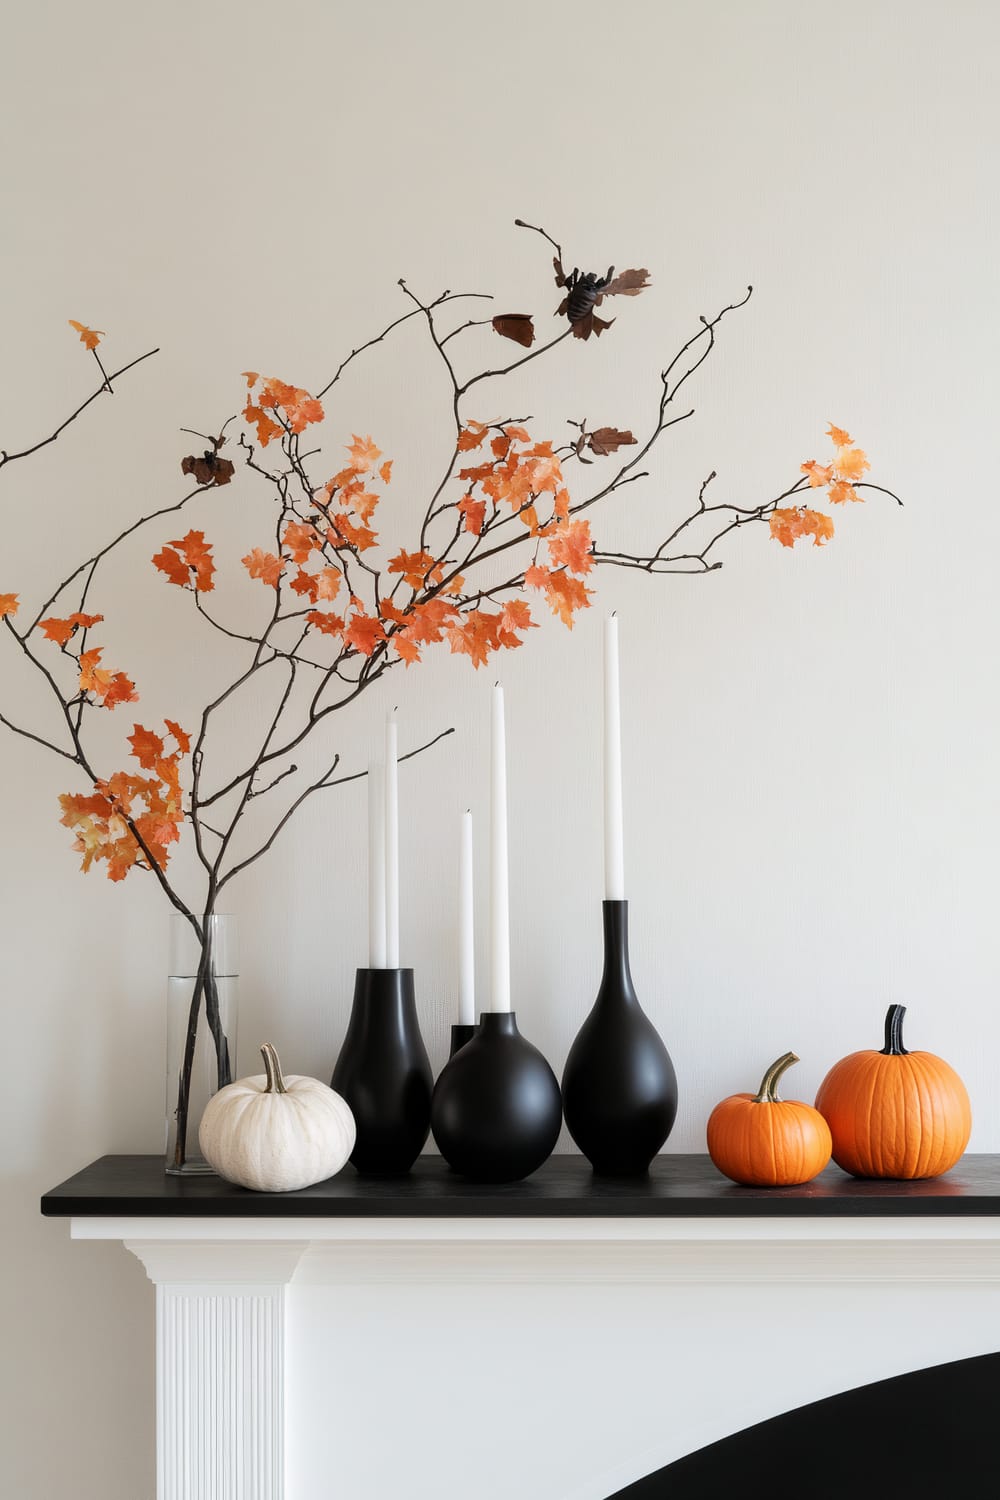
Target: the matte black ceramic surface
pixel 619 1085
pixel 460 1034
pixel 384 1073
pixel 496 1113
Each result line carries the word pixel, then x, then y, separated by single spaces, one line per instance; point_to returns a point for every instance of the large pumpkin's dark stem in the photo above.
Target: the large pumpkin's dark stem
pixel 768 1091
pixel 894 1032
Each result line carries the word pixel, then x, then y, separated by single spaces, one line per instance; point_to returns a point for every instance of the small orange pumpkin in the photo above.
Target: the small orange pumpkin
pixel 895 1113
pixel 763 1141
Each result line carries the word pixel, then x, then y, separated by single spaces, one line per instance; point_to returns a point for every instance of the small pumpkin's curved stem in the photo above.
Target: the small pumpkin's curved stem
pixel 894 1032
pixel 768 1091
pixel 272 1067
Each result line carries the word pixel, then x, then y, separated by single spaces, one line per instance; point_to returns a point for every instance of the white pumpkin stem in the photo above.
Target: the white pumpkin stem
pixel 768 1091
pixel 272 1067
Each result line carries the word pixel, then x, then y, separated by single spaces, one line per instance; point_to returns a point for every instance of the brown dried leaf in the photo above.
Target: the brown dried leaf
pixel 591 324
pixel 516 326
pixel 627 284
pixel 608 440
pixel 209 469
pixel 560 273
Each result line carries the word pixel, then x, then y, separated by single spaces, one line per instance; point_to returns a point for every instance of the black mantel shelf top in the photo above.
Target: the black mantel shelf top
pixel 678 1186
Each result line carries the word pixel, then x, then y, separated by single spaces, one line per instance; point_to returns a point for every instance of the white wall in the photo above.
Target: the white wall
pixel 811 799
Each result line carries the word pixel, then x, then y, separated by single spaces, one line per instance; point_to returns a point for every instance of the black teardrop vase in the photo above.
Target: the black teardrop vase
pixel 619 1085
pixel 384 1073
pixel 496 1113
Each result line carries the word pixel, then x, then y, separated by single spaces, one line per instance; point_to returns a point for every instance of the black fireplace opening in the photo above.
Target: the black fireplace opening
pixel 928 1435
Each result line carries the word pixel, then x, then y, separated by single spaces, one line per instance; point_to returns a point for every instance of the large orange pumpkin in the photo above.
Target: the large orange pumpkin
pixel 895 1113
pixel 763 1141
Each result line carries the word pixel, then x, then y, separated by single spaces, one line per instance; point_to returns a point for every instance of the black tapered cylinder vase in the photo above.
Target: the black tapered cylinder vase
pixel 496 1113
pixel 619 1085
pixel 384 1073
pixel 461 1032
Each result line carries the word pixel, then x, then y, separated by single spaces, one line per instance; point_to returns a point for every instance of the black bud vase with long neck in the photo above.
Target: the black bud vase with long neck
pixel 619 1087
pixel 384 1073
pixel 496 1112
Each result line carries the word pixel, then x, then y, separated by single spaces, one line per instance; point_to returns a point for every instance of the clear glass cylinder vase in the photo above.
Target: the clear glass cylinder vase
pixel 201 1029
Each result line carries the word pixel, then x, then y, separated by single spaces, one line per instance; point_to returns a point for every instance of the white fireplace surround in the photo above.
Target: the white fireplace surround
pixel 469 1359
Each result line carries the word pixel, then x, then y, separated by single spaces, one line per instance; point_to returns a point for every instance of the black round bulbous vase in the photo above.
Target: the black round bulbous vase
pixel 496 1112
pixel 461 1032
pixel 384 1073
pixel 619 1085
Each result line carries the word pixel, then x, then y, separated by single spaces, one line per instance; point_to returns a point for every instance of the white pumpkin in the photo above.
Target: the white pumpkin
pixel 276 1134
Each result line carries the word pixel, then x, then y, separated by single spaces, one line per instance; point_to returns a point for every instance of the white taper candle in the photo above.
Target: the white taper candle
pixel 391 844
pixel 466 928
pixel 614 838
pixel 499 889
pixel 376 865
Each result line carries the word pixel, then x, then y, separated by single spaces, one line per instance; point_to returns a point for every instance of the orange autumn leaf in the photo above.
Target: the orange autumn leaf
pixel 566 595
pixel 385 472
pixel 406 648
pixel 471 436
pixel 170 562
pixel 536 577
pixel 363 453
pixel 89 337
pixel 303 411
pixel 791 524
pixel 364 633
pixel 60 631
pixel 342 532
pixel 414 566
pixel 8 605
pixel 354 497
pixel 839 437
pixel 130 820
pixel 515 616
pixel 328 583
pixel 299 407
pixel 850 463
pixel 571 547
pixel 251 377
pixel 264 565
pixel 329 624
pixel 266 428
pixel 307 584
pixel 109 688
pixel 180 735
pixel 147 746
pixel 817 473
pixel 475 635
pixel 191 565
pixel 473 513
pixel 301 540
pixel 840 491
pixel 518 434
pixel 428 621
pixel 391 612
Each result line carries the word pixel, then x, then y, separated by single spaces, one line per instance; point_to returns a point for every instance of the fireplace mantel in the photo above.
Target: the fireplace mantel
pixel 229 1265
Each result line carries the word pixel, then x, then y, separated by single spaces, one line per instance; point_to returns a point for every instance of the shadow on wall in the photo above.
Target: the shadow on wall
pixel 925 1434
